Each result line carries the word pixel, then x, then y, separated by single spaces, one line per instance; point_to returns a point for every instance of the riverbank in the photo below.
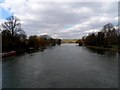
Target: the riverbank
pixel 96 47
pixel 22 51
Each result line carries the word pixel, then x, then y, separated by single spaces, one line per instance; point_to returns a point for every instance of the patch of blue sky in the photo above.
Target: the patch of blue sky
pixel 1 1
pixel 68 26
pixel 4 14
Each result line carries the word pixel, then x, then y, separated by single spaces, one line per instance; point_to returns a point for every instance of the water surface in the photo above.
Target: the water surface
pixel 64 66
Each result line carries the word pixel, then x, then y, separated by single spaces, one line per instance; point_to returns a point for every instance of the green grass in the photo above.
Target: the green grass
pixel 68 40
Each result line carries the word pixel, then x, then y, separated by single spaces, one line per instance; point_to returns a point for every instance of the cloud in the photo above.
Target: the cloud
pixel 62 19
pixel 92 30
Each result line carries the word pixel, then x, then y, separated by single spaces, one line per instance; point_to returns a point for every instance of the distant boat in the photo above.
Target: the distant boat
pixel 7 54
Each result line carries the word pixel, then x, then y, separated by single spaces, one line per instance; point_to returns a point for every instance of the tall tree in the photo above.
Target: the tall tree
pixel 13 25
pixel 13 33
pixel 100 39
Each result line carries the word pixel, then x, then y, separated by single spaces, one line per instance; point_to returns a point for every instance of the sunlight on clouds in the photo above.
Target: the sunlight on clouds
pixel 44 34
pixel 116 19
pixel 55 36
pixel 92 30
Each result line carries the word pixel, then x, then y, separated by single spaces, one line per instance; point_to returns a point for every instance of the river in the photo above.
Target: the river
pixel 64 66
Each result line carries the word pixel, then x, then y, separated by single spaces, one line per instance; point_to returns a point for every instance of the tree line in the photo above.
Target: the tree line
pixel 107 37
pixel 14 38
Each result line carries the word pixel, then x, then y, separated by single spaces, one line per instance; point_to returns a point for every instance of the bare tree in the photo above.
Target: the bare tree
pixel 13 25
pixel 12 33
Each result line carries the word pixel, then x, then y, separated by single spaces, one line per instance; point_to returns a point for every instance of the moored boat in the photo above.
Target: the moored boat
pixel 7 54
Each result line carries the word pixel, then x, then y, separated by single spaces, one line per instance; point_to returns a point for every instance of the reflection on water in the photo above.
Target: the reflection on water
pixel 109 53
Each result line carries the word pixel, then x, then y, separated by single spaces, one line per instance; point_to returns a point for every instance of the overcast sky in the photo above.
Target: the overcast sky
pixel 60 19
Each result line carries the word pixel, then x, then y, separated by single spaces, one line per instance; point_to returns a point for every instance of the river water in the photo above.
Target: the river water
pixel 64 66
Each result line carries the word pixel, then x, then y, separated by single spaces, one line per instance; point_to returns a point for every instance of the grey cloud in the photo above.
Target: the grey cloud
pixel 55 17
